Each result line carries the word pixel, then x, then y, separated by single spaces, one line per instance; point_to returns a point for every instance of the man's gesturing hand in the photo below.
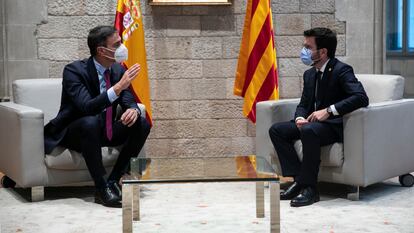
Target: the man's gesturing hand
pixel 126 80
pixel 320 115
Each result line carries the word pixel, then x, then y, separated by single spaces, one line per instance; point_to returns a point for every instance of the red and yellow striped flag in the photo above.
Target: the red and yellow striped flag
pixel 256 76
pixel 128 21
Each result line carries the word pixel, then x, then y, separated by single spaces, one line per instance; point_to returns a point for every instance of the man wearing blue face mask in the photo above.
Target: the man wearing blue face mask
pixel 330 91
pixel 92 89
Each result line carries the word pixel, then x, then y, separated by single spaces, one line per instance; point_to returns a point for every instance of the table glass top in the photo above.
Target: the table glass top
pixel 200 169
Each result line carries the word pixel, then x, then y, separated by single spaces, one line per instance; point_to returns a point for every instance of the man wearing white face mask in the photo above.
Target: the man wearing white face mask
pixel 330 91
pixel 92 89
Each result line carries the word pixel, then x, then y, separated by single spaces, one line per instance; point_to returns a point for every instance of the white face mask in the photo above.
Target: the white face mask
pixel 120 54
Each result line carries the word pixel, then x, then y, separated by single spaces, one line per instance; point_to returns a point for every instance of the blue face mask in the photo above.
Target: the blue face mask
pixel 306 56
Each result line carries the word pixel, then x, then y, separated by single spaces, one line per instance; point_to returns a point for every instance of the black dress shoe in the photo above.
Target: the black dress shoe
pixel 107 197
pixel 116 188
pixel 307 196
pixel 6 182
pixel 291 192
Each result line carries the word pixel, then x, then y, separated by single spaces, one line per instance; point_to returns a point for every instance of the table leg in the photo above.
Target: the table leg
pixel 127 192
pixel 260 199
pixel 274 207
pixel 135 202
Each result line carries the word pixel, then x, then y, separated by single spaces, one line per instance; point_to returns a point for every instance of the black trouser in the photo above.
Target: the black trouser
pixel 313 135
pixel 88 134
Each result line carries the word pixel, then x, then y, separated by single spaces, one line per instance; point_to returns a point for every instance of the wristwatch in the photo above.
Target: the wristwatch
pixel 138 111
pixel 329 110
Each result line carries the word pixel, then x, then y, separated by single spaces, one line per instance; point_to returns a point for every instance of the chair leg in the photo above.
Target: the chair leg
pixel 38 193
pixel 354 194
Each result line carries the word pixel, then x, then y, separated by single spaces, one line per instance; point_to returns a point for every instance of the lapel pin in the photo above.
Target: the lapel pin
pixel 330 69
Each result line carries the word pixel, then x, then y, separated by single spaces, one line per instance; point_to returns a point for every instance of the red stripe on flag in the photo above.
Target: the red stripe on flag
pixel 257 52
pixel 254 6
pixel 119 19
pixel 265 91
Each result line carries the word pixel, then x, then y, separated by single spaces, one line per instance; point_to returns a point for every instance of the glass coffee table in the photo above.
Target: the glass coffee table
pixel 197 170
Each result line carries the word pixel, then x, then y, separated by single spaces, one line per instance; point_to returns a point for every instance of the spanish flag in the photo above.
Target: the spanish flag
pixel 129 24
pixel 256 75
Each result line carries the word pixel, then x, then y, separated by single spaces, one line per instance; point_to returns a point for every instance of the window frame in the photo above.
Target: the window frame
pixel 404 52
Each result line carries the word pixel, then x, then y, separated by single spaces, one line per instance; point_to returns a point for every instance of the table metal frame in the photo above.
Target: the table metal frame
pixel 131 200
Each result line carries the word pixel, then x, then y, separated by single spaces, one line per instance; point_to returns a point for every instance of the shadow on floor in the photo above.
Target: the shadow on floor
pixel 86 193
pixel 53 193
pixel 328 191
pixel 369 193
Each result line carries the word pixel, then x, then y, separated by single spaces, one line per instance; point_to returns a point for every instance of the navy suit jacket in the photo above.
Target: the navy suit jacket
pixel 81 97
pixel 338 86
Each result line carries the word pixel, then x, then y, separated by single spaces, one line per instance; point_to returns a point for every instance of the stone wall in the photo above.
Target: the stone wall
pixel 192 57
pixel 19 53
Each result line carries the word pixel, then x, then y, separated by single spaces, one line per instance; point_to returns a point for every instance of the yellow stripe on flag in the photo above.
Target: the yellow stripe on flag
pixel 244 54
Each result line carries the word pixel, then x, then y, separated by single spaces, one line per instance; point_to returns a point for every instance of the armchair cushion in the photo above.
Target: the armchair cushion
pixel 65 159
pixel 381 88
pixel 43 94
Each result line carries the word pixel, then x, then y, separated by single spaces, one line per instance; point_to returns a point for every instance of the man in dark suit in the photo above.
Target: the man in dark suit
pixel 330 91
pixel 92 89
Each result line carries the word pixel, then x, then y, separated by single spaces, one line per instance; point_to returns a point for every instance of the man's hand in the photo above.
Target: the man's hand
pixel 301 122
pixel 320 115
pixel 126 80
pixel 129 117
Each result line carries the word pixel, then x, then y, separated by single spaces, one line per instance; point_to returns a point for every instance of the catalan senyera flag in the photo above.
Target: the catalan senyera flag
pixel 256 75
pixel 128 22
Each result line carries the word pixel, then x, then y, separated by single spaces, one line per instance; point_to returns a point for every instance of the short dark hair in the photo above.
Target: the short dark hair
pixel 324 38
pixel 98 36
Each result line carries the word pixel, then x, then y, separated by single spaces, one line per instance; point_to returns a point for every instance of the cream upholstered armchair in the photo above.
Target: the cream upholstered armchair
pixel 378 140
pixel 22 159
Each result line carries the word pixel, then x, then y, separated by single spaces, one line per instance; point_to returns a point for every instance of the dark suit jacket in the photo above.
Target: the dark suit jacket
pixel 338 86
pixel 81 97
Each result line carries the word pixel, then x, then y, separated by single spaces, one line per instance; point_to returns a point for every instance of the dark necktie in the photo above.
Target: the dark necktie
pixel 318 89
pixel 108 118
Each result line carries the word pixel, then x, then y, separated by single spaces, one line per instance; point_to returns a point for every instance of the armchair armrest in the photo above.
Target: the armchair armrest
pixel 21 141
pixel 268 113
pixel 143 114
pixel 378 142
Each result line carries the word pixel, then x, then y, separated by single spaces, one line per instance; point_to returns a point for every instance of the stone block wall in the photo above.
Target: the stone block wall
pixel 192 58
pixel 19 54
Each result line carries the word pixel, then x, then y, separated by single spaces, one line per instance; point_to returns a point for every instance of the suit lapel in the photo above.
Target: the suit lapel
pixel 114 75
pixel 313 87
pixel 93 79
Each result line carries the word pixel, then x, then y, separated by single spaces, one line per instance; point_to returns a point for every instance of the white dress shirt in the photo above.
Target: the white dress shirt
pixel 102 85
